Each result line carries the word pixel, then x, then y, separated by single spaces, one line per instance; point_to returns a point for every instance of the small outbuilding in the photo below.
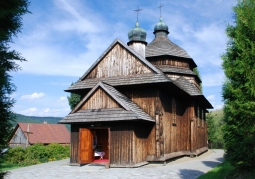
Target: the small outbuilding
pixel 26 134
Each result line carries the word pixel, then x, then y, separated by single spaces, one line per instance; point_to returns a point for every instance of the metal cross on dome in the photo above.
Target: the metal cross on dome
pixel 137 11
pixel 160 8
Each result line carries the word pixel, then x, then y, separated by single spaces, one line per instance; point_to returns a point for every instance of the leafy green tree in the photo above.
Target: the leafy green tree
pixel 195 70
pixel 11 12
pixel 73 99
pixel 212 130
pixel 239 88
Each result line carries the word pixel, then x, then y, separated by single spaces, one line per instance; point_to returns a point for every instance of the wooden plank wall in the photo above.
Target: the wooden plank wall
pixel 122 150
pixel 74 147
pixel 176 134
pixel 141 133
pixel 200 132
pixel 149 101
pixel 118 62
pixel 100 100
pixel 169 61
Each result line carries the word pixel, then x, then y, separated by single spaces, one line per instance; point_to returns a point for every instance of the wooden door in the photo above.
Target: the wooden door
pixel 86 146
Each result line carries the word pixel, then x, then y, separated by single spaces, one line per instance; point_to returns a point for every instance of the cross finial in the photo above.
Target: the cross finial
pixel 137 11
pixel 160 8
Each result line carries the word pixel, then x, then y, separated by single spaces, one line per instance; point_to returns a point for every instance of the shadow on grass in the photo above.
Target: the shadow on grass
pixel 211 164
pixel 189 174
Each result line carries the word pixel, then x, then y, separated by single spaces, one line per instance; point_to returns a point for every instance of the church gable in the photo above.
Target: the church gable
pixel 119 60
pixel 98 100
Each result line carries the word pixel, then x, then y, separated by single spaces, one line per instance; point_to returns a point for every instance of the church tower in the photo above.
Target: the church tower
pixel 137 38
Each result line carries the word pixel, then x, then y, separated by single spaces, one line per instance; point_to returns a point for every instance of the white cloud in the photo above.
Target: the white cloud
pixel 213 79
pixel 33 96
pixel 218 106
pixel 29 112
pixel 211 97
pixel 45 112
pixel 63 98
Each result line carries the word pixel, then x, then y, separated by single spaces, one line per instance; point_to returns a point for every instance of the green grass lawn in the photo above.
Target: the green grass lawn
pixel 226 171
pixel 219 172
pixel 6 167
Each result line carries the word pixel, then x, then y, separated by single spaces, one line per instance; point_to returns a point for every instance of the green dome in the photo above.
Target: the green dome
pixel 137 34
pixel 161 26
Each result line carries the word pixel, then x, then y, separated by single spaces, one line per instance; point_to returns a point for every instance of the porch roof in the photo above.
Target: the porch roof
pixel 102 115
pixel 129 110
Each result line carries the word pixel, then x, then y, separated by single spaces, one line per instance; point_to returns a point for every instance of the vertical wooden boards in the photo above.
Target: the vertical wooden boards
pixel 169 61
pixel 118 62
pixel 98 100
pixel 74 147
pixel 141 132
pixel 121 153
pixel 86 146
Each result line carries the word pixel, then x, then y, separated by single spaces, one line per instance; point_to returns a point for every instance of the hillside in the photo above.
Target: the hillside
pixel 36 119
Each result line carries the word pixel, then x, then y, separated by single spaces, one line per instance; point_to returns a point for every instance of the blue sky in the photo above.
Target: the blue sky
pixel 61 39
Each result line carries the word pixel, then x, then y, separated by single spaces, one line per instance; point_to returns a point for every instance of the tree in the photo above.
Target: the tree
pixel 73 99
pixel 11 12
pixel 212 130
pixel 239 88
pixel 195 70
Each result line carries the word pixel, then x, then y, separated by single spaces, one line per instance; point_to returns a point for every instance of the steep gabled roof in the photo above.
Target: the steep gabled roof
pixel 129 110
pixel 143 60
pixel 45 133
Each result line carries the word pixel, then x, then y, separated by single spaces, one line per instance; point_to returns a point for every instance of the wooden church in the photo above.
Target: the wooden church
pixel 139 103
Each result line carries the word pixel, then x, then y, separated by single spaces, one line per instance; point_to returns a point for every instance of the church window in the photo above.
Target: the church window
pixel 174 111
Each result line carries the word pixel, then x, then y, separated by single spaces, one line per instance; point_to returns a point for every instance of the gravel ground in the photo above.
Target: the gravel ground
pixel 182 168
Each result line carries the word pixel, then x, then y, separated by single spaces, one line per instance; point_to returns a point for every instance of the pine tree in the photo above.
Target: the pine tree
pixel 11 12
pixel 239 88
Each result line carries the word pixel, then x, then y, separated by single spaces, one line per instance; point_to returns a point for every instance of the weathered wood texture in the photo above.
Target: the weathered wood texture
pixel 74 148
pixel 100 100
pixel 122 145
pixel 18 139
pixel 176 122
pixel 149 101
pixel 169 61
pixel 199 129
pixel 118 62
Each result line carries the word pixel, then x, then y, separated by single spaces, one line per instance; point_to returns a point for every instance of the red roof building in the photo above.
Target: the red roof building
pixel 26 134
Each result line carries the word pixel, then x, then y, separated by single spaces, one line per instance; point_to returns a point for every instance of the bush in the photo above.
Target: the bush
pixel 36 154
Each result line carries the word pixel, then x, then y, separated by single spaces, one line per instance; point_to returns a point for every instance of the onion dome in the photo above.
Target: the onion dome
pixel 137 34
pixel 161 26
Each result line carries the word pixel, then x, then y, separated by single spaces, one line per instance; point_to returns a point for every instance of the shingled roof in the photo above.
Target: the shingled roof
pixel 45 133
pixel 120 80
pixel 163 46
pixel 171 69
pixel 129 110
